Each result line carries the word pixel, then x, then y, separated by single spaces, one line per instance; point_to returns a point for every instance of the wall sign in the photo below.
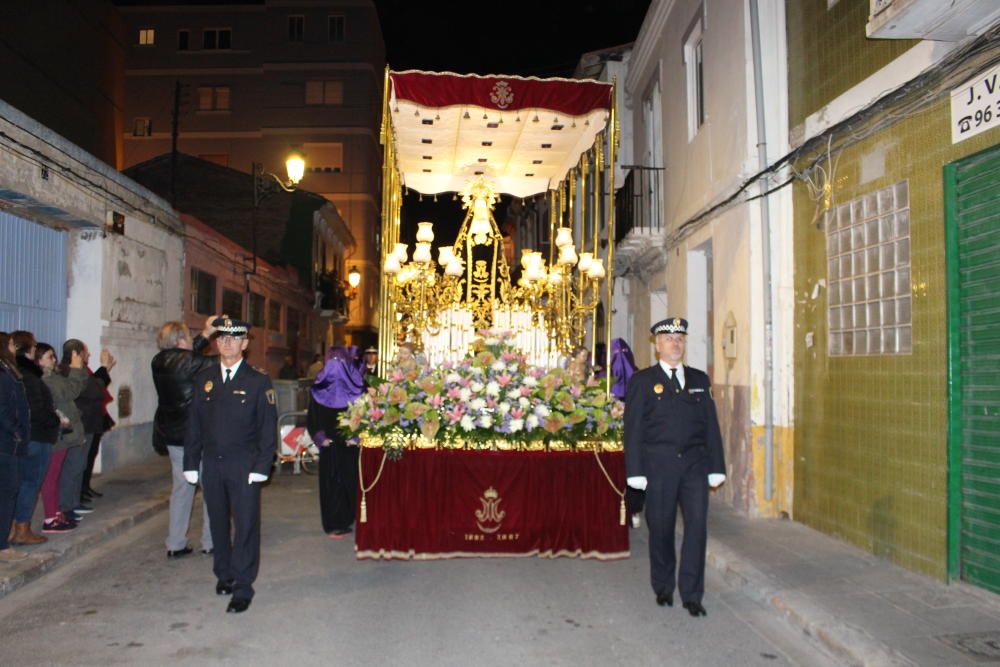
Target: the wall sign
pixel 975 105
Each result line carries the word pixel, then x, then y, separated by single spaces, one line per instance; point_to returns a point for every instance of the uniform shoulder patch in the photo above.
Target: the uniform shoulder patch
pixel 259 370
pixel 270 396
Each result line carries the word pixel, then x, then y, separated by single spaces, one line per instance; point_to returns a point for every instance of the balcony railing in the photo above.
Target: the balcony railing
pixel 638 203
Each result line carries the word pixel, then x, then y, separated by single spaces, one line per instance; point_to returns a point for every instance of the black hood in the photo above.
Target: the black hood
pixel 26 365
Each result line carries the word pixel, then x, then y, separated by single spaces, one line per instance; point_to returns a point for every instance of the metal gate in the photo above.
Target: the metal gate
pixel 972 200
pixel 33 279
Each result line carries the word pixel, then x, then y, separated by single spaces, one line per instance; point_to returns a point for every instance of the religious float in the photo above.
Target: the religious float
pixel 481 444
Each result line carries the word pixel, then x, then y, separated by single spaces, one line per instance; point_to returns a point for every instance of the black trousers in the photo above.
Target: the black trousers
pixel 88 472
pixel 678 481
pixel 338 485
pixel 234 515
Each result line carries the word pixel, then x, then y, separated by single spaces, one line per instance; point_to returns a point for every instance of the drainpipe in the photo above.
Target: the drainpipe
pixel 765 221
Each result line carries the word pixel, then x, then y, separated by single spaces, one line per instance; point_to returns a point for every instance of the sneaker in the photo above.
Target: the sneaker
pixel 72 517
pixel 9 555
pixel 82 509
pixel 57 525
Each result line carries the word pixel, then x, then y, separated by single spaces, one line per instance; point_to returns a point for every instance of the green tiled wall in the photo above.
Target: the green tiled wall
pixel 829 53
pixel 871 432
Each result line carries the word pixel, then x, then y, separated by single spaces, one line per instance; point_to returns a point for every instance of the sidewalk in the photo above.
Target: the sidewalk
pixel 864 609
pixel 132 494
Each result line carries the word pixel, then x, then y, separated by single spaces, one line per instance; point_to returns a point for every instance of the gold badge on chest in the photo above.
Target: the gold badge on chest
pixel 657 388
pixel 208 386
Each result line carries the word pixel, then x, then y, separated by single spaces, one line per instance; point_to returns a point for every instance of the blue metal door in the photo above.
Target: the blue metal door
pixel 32 279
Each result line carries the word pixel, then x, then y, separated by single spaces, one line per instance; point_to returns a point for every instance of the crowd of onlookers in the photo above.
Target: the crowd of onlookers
pixel 53 413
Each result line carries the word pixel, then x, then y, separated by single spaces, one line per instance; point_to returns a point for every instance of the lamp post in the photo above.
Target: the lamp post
pixel 353 280
pixel 264 185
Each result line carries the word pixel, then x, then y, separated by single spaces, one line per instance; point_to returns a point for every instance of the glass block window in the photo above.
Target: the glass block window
pixel 868 274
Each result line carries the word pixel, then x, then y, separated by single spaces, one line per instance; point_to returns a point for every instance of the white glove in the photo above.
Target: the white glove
pixel 256 477
pixel 715 479
pixel 191 476
pixel 637 483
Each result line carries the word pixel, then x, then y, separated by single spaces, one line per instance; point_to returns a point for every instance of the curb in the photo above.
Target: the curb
pixel 846 642
pixel 39 563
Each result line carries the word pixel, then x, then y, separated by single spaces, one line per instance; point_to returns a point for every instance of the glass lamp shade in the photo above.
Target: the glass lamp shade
pixel 425 232
pixel 454 267
pixel 567 256
pixel 555 277
pixel 296 168
pixel 445 255
pixel 401 253
pixel 525 257
pixel 564 237
pixel 422 253
pixel 392 266
pixel 585 259
pixel 596 270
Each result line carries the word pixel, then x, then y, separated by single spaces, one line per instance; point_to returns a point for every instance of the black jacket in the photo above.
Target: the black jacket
pixel 44 420
pixel 173 374
pixel 91 401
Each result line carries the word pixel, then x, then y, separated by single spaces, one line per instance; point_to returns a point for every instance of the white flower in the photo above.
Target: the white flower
pixel 491 341
pixel 503 408
pixel 467 423
pixel 514 393
pixel 476 370
pixel 452 378
pixel 530 381
pixel 476 387
pixel 512 366
pixel 477 404
pixel 542 410
pixel 523 402
pixel 493 389
pixel 465 394
pixel 499 366
pixel 531 422
pixel 486 421
pixel 516 425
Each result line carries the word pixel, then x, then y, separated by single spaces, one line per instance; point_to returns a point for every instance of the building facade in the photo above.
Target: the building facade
pixel 704 231
pixel 896 234
pixel 245 82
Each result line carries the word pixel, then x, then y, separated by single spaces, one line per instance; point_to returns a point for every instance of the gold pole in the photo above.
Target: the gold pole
pixel 612 155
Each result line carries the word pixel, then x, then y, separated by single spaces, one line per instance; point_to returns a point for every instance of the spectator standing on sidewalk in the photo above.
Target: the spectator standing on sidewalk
pixel 90 402
pixel 66 382
pixel 231 437
pixel 174 367
pixel 15 429
pixel 44 432
pixel 673 451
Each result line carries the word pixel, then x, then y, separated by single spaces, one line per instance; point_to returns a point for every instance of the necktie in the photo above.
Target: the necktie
pixel 674 381
pixel 229 375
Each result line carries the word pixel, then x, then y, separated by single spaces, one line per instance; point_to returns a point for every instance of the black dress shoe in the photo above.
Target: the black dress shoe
pixel 179 553
pixel 695 609
pixel 224 587
pixel 94 494
pixel 238 605
pixel 665 599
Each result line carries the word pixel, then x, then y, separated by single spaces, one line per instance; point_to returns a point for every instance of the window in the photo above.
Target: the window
pixel 183 40
pixel 296 28
pixel 142 127
pixel 324 92
pixel 338 27
pixel 868 273
pixel 232 303
pixel 255 309
pixel 274 315
pixel 217 38
pixel 202 292
pixel 147 36
pixel 213 98
pixel 325 157
pixel 694 66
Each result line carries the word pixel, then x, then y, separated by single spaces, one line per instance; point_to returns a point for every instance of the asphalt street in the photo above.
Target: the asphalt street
pixel 124 603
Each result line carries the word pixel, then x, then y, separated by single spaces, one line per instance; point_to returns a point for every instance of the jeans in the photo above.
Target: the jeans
pixel 8 492
pixel 71 477
pixel 32 467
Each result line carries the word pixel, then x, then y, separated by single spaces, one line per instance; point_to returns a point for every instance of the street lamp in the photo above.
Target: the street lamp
pixel 265 184
pixel 353 280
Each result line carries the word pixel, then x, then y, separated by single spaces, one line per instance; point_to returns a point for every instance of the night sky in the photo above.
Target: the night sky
pixel 538 38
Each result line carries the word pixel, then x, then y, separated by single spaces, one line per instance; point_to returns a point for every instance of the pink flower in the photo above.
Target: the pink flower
pixel 491 402
pixel 435 401
pixel 504 379
pixel 517 413
pixel 576 390
pixel 525 391
pixel 465 382
pixel 454 416
pixel 397 375
pixel 455 393
pixel 375 414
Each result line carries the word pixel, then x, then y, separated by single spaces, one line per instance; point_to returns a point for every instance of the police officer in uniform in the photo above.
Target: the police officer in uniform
pixel 232 435
pixel 673 451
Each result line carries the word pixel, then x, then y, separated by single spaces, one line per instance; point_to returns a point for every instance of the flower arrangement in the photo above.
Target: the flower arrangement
pixel 491 394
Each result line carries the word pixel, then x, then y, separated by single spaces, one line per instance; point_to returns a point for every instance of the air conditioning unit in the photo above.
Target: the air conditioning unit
pixel 939 20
